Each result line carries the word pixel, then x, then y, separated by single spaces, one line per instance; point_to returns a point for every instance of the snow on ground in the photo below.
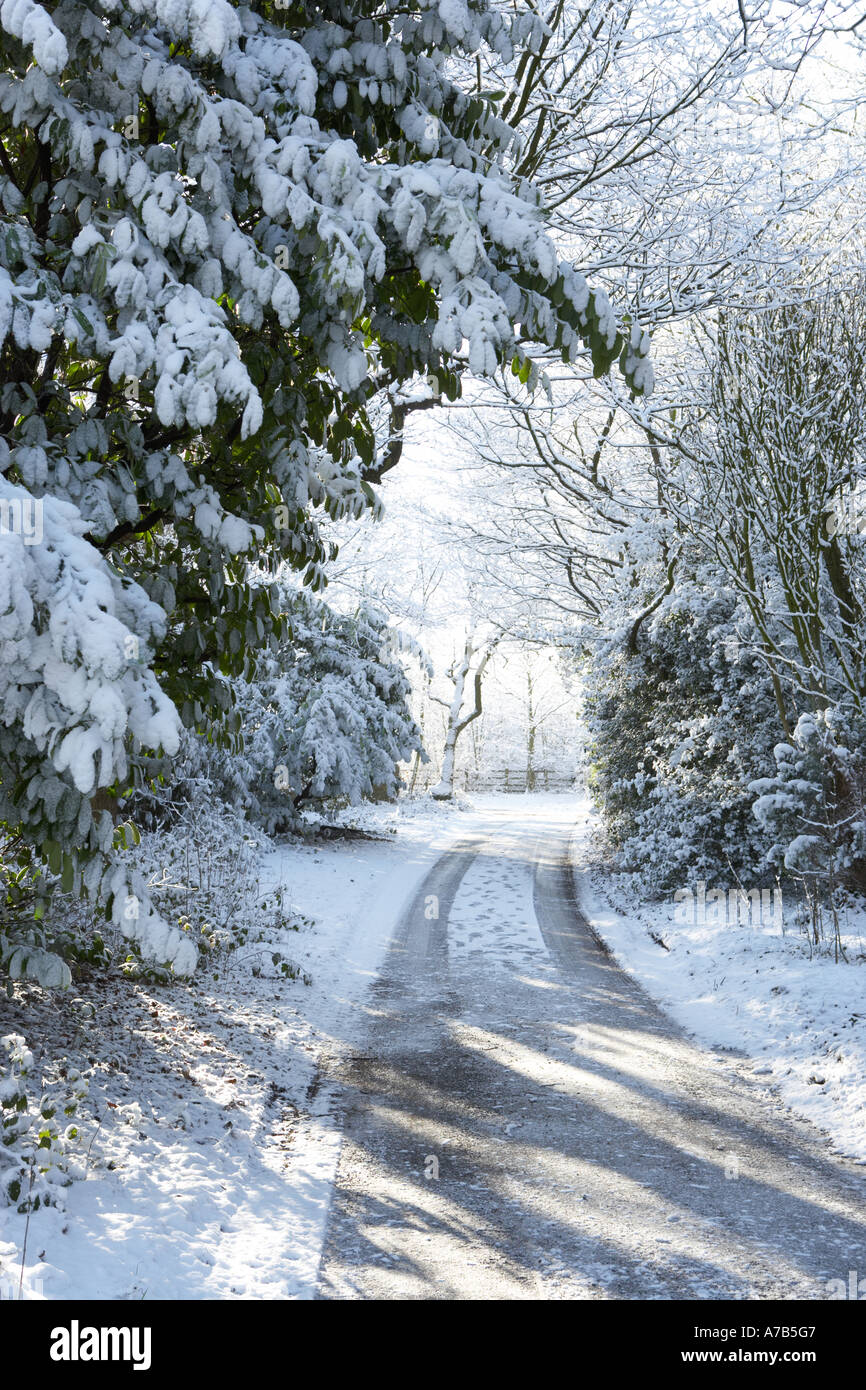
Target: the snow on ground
pixel 754 989
pixel 210 1148
pixel 210 1153
pixel 492 916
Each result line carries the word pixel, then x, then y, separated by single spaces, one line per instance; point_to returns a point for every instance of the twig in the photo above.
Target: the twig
pixel 26 1230
pixel 90 1145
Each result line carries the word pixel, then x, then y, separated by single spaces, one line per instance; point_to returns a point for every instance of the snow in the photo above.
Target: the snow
pixel 493 917
pixel 210 1148
pixel 82 655
pixel 216 1189
pixel 32 24
pixel 794 1016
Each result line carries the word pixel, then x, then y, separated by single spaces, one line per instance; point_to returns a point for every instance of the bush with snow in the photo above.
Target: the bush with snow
pixel 324 716
pixel 693 775
pixel 37 1129
pixel 813 810
pixel 680 728
pixel 203 869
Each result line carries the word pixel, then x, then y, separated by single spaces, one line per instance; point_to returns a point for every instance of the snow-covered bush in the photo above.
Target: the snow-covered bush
pixel 813 810
pixel 679 728
pixel 37 1129
pixel 324 716
pixel 45 934
pixel 224 229
pixel 203 868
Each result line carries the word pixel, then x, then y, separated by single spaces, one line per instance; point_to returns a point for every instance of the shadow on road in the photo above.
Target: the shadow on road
pixel 549 1133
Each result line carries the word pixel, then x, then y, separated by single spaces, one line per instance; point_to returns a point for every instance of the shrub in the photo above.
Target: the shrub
pixel 204 870
pixel 37 1132
pixel 679 729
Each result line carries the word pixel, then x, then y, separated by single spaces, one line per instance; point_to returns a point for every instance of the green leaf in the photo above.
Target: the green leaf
pixel 53 853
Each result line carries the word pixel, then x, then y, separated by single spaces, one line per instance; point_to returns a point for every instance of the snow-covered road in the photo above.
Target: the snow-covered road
pixel 521 1120
pixel 470 1100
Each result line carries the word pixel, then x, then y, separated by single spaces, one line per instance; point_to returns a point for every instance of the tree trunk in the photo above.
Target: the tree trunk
pixel 444 789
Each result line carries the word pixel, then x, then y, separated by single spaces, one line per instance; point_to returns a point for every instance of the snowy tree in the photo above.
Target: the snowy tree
pixel 666 174
pixel 727 687
pixel 226 231
pixel 663 171
pixel 680 723
pixel 325 715
pixel 526 738
pixel 769 478
pixel 468 667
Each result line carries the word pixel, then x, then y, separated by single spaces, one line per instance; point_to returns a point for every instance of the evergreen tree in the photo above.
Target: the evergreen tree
pixel 325 716
pixel 226 230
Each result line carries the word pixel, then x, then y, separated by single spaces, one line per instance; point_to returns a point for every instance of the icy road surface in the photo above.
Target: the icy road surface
pixel 521 1120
